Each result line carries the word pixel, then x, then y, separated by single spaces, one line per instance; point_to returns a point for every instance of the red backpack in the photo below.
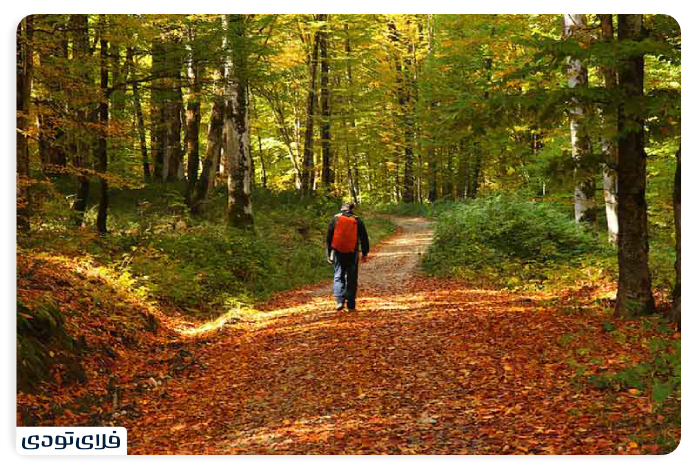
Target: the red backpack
pixel 345 238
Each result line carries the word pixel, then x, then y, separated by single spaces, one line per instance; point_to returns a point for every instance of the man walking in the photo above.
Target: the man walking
pixel 346 231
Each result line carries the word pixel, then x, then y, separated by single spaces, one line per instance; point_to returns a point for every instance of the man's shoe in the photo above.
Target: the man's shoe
pixel 339 307
pixel 351 310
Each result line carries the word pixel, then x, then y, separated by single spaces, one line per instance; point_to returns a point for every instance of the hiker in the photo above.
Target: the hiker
pixel 342 237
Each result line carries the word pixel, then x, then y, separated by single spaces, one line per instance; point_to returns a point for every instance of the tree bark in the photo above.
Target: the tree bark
pixel 193 122
pixel 352 163
pixel 264 175
pixel 634 294
pixel 158 130
pixel 584 204
pixel 327 173
pixel 675 313
pixel 236 124
pixel 404 98
pixel 174 110
pixel 212 157
pixel 25 74
pixel 308 154
pixel 52 137
pixel 139 116
pixel 432 185
pixel 101 150
pixel 79 25
pixel 609 179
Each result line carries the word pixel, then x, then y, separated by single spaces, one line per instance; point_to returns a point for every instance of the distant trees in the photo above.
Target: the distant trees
pixel 378 108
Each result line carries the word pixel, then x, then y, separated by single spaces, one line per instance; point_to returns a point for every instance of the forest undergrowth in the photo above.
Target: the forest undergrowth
pixel 122 357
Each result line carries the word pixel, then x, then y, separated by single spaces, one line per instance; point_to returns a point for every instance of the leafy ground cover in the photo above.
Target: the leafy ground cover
pixel 426 365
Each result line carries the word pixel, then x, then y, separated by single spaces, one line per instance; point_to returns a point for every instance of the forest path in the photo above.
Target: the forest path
pixel 425 365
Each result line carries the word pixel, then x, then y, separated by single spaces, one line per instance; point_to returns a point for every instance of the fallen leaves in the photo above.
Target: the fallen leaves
pixel 424 366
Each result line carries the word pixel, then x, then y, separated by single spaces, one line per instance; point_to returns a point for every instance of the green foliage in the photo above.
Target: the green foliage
pixel 157 251
pixel 661 375
pixel 505 238
pixel 426 210
pixel 40 333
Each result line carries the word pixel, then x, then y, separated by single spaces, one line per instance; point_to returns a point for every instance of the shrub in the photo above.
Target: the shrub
pixel 505 237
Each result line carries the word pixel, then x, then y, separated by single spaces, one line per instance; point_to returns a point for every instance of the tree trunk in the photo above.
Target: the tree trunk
pixel 675 313
pixel 158 130
pixel 404 98
pixel 634 294
pixel 212 157
pixel 79 25
pixel 432 185
pixel 101 153
pixel 236 124
pixel 193 122
pixel 609 179
pixel 573 26
pixel 25 73
pixel 475 176
pixel 264 175
pixel 118 95
pixel 327 174
pixel 308 155
pixel 174 110
pixel 51 132
pixel 352 163
pixel 139 116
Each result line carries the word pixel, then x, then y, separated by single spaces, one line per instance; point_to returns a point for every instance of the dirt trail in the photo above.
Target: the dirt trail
pixel 423 366
pixel 392 263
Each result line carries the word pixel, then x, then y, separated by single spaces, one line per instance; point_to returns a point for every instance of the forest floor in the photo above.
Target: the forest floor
pixel 424 365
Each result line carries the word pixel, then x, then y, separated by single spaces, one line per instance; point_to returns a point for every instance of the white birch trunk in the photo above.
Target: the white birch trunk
pixel 579 141
pixel 236 146
pixel 611 189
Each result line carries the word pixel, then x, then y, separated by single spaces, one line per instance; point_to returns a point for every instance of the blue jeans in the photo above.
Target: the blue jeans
pixel 346 278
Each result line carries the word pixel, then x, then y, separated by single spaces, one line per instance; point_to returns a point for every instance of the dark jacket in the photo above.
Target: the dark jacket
pixel 362 234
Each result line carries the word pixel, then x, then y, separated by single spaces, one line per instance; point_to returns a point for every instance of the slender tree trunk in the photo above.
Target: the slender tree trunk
pixel 118 95
pixel 573 26
pixel 193 122
pixel 236 124
pixel 212 157
pixel 308 155
pixel 264 175
pixel 409 133
pixel 139 116
pixel 634 294
pixel 51 132
pixel 327 174
pixel 174 110
pixel 352 162
pixel 101 153
pixel 25 73
pixel 675 313
pixel 432 185
pixel 404 98
pixel 475 176
pixel 79 25
pixel 609 179
pixel 158 130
